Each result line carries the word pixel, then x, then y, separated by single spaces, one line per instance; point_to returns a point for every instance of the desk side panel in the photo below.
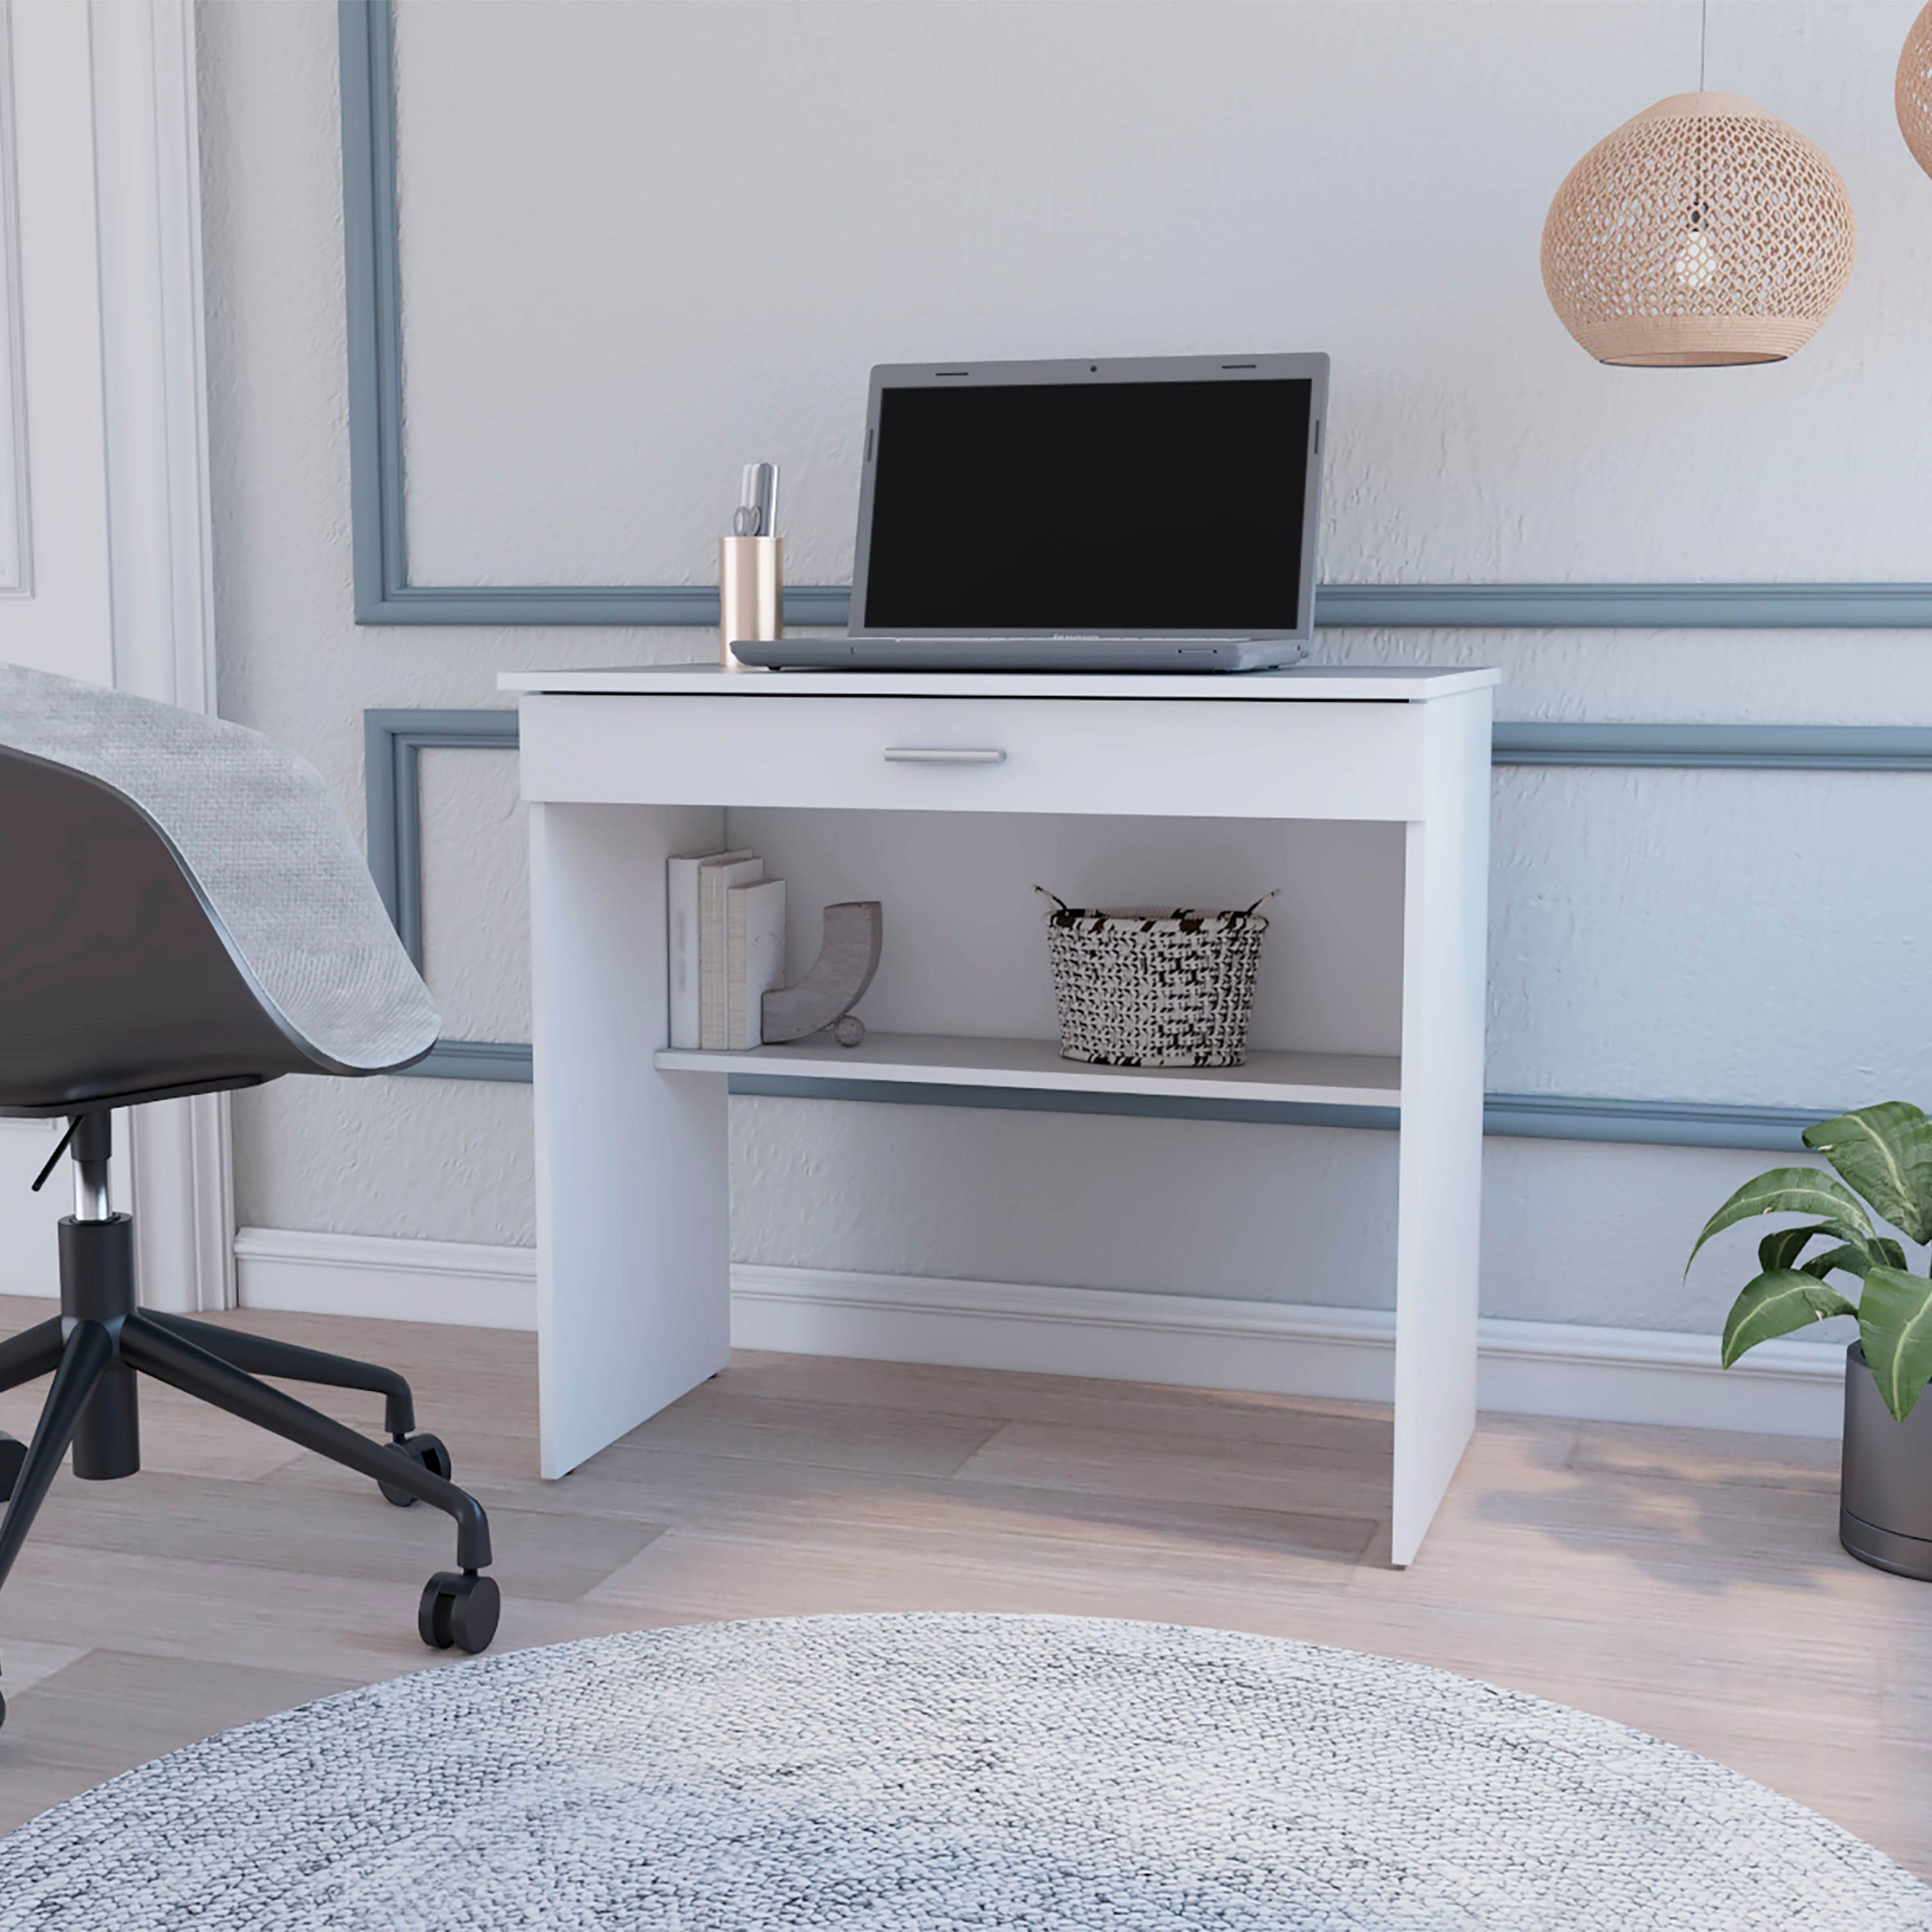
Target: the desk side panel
pixel 633 1235
pixel 1444 953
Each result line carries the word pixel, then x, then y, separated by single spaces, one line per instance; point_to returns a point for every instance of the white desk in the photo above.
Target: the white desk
pixel 624 768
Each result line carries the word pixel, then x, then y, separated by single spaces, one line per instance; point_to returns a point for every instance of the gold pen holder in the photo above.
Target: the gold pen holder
pixel 750 595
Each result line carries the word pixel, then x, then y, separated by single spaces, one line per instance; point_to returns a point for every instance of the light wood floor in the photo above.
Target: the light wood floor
pixel 1689 1583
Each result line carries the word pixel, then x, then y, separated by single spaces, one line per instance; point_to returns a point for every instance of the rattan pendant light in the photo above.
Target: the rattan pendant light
pixel 1705 232
pixel 1912 93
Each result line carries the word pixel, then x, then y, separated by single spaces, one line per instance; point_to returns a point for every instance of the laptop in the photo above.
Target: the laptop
pixel 1146 515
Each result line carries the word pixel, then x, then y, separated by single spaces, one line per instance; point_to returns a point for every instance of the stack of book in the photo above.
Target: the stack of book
pixel 727 949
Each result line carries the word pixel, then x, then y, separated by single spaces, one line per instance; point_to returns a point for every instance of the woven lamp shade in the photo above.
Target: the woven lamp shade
pixel 1912 93
pixel 1702 233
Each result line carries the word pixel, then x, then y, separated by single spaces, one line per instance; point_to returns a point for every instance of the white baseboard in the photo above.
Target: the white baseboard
pixel 1528 1368
pixel 462 1282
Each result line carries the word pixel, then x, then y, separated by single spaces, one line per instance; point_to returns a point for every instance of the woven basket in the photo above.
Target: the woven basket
pixel 1143 986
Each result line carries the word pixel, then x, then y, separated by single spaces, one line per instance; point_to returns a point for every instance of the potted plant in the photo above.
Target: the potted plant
pixel 1884 1153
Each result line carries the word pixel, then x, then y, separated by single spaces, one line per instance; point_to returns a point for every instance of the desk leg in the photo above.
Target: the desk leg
pixel 1439 1193
pixel 633 1223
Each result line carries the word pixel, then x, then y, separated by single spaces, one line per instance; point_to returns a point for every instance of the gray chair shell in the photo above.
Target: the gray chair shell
pixel 182 907
pixel 183 910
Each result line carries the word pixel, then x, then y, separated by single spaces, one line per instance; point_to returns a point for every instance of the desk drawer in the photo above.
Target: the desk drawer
pixel 1190 758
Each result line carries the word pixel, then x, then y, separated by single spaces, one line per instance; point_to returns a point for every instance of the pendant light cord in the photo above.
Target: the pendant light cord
pixel 1701 215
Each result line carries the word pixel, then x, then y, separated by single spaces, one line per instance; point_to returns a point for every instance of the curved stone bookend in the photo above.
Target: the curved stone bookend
pixel 848 959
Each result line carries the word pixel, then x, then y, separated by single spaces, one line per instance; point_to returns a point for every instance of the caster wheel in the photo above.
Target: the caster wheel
pixel 13 1454
pixel 427 1451
pixel 459 1608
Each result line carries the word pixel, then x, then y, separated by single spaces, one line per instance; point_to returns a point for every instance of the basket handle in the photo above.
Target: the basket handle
pixel 1247 911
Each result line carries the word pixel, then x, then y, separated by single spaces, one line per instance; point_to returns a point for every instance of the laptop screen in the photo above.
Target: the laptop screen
pixel 1122 506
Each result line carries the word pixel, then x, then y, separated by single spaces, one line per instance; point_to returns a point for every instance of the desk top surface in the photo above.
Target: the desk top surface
pixel 1377 684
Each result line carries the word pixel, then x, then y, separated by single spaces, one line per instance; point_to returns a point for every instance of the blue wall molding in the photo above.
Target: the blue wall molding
pixel 394 741
pixel 1784 748
pixel 385 595
pixel 1543 1117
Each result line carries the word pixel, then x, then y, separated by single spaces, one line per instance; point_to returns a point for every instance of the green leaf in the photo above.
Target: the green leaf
pixel 1895 1325
pixel 1781 1247
pixel 1775 1304
pixel 1856 1258
pixel 1790 1190
pixel 1848 1259
pixel 1886 1153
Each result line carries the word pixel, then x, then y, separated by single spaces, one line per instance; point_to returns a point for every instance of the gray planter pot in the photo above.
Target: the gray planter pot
pixel 1884 1491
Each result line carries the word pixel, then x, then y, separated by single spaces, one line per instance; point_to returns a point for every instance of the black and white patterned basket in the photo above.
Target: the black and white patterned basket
pixel 1146 986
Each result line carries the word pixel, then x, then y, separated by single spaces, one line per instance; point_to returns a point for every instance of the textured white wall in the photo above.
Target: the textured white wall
pixel 602 323
pixel 476 897
pixel 641 244
pixel 445 1159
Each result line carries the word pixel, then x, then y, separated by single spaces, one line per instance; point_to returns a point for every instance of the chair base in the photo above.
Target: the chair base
pixel 101 1343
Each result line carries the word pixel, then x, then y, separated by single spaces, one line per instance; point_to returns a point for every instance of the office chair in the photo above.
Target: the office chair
pixel 184 910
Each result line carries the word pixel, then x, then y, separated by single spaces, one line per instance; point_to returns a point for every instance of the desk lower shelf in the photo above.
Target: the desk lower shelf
pixel 943 1060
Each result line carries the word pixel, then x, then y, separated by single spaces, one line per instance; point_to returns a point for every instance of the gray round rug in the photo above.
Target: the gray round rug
pixel 923 1772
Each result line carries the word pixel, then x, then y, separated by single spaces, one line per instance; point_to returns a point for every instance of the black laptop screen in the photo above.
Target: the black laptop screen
pixel 1072 507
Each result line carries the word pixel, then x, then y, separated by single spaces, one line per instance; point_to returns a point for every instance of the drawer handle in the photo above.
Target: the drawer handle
pixel 943 755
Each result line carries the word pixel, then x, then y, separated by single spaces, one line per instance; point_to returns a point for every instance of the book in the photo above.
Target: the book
pixel 755 947
pixel 714 882
pixel 681 939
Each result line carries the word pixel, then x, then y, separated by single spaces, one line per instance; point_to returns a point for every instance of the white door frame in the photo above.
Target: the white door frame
pixel 155 392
